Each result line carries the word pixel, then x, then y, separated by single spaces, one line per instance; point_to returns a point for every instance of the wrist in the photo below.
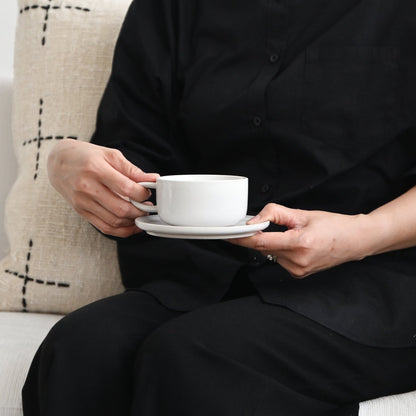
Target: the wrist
pixel 374 233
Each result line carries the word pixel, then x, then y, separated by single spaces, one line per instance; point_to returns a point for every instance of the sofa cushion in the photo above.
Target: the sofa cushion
pixel 396 405
pixel 63 52
pixel 20 336
pixel 8 167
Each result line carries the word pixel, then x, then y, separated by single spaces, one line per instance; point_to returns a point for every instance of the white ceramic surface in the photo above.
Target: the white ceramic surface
pixel 199 200
pixel 153 225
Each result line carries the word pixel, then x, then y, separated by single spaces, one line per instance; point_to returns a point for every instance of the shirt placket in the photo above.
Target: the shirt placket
pixel 266 180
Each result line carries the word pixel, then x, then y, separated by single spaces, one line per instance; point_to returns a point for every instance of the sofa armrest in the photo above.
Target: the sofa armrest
pixel 8 164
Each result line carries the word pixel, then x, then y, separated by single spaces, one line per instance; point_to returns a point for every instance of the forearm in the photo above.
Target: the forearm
pixel 391 226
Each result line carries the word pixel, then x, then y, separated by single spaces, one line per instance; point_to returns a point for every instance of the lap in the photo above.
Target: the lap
pixel 273 340
pixel 283 347
pixel 242 342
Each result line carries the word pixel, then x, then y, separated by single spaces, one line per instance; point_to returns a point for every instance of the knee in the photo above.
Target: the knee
pixel 67 337
pixel 82 334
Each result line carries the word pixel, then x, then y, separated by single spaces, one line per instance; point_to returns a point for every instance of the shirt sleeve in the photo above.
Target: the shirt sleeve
pixel 410 178
pixel 406 160
pixel 137 111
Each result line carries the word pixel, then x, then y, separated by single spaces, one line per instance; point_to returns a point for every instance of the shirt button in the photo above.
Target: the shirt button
pixel 273 58
pixel 255 261
pixel 265 188
pixel 257 121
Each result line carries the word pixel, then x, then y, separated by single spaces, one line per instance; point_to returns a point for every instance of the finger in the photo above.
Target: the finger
pixel 268 241
pixel 117 160
pixel 284 260
pixel 281 215
pixel 293 269
pixel 95 191
pixel 122 185
pixel 86 204
pixel 248 242
pixel 108 229
pixel 109 218
pixel 116 204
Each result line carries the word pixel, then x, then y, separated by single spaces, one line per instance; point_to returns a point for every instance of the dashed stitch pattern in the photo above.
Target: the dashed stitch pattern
pixel 26 278
pixel 38 140
pixel 47 8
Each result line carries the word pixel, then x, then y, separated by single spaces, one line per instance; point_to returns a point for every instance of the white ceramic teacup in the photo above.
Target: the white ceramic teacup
pixel 199 200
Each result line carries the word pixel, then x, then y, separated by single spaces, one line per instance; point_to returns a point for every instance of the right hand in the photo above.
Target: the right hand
pixel 98 181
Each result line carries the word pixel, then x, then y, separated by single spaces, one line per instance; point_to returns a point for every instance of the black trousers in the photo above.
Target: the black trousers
pixel 129 355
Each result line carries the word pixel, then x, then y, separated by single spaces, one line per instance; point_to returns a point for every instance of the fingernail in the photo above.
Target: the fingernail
pixel 255 219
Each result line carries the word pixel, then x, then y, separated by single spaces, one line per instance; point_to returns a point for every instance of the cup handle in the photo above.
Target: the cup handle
pixel 144 207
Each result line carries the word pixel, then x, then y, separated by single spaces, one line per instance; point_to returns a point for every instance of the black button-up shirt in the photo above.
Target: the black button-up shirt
pixel 313 100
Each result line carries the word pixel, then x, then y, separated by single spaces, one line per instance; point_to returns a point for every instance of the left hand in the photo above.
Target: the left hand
pixel 314 241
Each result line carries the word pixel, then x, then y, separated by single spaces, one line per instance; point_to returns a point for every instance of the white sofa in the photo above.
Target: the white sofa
pixel 21 333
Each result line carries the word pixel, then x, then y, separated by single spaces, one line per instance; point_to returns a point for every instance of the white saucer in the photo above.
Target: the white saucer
pixel 153 225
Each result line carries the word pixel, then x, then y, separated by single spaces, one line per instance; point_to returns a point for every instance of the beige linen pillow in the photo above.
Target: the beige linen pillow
pixel 63 52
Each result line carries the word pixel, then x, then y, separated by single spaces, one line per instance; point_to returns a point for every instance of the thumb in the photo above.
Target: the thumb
pixel 281 215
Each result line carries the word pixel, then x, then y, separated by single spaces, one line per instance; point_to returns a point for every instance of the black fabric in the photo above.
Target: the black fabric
pixel 130 355
pixel 312 100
